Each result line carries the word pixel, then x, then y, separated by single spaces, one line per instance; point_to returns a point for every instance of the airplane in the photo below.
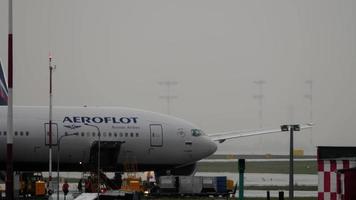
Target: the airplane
pixel 151 141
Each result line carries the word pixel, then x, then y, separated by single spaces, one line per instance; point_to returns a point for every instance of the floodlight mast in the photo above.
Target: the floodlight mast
pixel 291 128
pixel 260 97
pixel 50 124
pixel 168 97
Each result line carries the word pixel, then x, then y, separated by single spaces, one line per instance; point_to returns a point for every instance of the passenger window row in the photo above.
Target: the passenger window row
pixel 16 133
pixel 105 134
pixel 88 134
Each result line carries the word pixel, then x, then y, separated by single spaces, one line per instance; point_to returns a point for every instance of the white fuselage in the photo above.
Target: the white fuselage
pixel 148 139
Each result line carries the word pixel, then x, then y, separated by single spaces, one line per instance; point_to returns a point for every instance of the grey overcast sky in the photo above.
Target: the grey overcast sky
pixel 114 53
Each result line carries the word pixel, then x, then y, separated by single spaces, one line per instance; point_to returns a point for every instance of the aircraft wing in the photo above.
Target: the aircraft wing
pixel 222 137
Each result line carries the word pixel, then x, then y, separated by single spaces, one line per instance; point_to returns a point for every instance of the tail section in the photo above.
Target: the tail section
pixel 3 87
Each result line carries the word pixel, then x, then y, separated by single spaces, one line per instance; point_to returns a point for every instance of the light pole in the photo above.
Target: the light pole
pixel 310 98
pixel 168 97
pixel 50 123
pixel 98 188
pixel 58 153
pixel 291 128
pixel 260 97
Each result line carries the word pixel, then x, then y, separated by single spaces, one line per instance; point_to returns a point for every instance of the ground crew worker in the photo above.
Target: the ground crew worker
pixel 151 180
pixel 65 188
pixel 88 185
pixel 80 185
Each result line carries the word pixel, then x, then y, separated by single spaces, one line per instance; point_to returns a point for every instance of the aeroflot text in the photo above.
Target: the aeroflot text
pixel 98 120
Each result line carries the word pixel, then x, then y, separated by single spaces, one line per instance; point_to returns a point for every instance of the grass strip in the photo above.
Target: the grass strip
pixel 280 167
pixel 276 187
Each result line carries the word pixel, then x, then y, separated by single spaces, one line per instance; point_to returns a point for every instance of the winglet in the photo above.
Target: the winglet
pixel 3 87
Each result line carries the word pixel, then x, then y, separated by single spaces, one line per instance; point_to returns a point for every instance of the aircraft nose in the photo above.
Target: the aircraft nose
pixel 204 148
pixel 212 147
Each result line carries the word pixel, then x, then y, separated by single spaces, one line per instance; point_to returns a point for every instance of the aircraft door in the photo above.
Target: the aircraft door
pixel 156 133
pixel 54 133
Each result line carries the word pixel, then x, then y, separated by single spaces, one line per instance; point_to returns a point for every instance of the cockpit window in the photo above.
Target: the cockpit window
pixel 197 132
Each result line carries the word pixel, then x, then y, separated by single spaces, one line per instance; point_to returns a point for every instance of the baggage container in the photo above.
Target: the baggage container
pixel 221 184
pixel 209 184
pixel 168 184
pixel 190 184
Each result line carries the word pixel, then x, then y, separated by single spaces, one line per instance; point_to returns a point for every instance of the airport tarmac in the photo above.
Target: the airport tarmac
pixel 260 180
pixel 251 179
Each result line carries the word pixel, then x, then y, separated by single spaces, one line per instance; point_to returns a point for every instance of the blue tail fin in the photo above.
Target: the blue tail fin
pixel 3 87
